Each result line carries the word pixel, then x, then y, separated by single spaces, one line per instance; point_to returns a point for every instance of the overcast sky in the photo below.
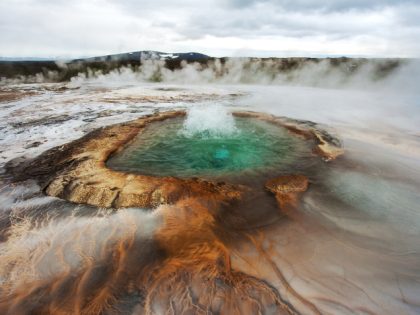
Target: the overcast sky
pixel 73 28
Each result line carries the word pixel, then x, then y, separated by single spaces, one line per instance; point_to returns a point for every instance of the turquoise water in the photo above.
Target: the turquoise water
pixel 167 149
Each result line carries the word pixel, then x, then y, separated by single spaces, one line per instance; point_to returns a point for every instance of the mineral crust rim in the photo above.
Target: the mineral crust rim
pixel 77 171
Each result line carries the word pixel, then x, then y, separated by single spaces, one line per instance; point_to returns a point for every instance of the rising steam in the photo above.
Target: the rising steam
pixel 336 73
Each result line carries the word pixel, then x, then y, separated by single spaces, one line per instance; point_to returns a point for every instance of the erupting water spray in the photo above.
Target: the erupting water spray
pixel 209 121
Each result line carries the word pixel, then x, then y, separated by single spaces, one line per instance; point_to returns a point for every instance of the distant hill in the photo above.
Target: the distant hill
pixel 130 56
pixel 148 55
pixel 25 59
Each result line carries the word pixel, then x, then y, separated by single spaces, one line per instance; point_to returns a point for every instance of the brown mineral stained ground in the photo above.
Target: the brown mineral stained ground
pixel 345 240
pixel 193 272
pixel 184 268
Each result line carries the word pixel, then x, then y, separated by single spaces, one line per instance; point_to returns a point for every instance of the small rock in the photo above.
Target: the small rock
pixel 33 145
pixel 287 184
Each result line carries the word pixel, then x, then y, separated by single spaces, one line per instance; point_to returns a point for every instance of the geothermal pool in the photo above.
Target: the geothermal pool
pixel 348 245
pixel 232 146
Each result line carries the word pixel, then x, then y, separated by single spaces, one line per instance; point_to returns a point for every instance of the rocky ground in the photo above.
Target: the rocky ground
pixel 350 246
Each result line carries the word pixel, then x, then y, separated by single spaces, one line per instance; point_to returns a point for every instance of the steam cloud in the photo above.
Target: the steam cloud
pixel 330 73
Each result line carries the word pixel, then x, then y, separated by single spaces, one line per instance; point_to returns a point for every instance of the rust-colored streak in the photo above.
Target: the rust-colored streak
pixel 185 269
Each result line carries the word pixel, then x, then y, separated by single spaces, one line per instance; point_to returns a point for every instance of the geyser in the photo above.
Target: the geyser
pixel 259 147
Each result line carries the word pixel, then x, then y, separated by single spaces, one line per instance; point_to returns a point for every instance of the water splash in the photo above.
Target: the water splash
pixel 210 121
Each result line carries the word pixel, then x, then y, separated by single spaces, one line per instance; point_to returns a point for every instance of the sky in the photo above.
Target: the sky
pixel 79 28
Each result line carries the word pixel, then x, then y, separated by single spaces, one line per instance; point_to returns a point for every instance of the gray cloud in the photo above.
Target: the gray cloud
pixel 281 27
pixel 325 5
